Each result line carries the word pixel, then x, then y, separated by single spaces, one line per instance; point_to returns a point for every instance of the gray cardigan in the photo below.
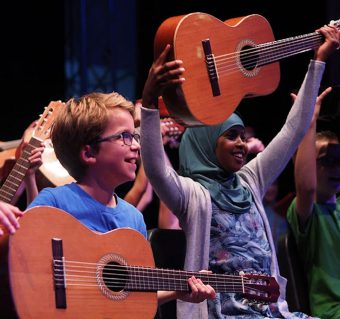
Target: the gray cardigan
pixel 191 202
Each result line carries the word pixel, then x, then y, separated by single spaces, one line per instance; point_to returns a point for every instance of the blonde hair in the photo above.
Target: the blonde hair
pixel 79 123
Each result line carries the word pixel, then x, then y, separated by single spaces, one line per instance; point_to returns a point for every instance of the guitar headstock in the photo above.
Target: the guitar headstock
pixel 260 288
pixel 172 128
pixel 171 132
pixel 44 124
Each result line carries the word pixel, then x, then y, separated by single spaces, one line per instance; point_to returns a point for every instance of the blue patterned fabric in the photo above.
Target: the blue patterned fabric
pixel 239 243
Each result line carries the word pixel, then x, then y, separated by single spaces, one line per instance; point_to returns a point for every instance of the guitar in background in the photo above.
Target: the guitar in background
pixel 224 62
pixel 66 270
pixel 171 129
pixel 7 157
pixel 51 173
pixel 40 133
pixel 171 132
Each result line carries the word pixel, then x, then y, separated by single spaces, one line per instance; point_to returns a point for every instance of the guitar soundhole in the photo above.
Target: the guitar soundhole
pixel 112 276
pixel 115 276
pixel 248 58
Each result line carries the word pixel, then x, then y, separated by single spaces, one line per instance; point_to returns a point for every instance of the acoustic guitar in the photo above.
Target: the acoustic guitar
pixel 59 268
pixel 40 133
pixel 224 62
pixel 7 156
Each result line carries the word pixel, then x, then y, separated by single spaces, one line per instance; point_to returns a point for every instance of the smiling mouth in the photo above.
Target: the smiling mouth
pixel 239 157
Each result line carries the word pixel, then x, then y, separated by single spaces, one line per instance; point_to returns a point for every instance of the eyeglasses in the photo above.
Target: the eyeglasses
pixel 126 136
pixel 328 161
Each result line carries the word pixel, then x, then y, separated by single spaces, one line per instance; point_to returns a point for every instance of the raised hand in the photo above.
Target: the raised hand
pixel 161 75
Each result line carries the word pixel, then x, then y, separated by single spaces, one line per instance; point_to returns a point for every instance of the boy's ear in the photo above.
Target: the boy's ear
pixel 87 154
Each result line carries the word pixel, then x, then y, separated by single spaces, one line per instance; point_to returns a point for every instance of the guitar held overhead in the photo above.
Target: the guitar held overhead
pixel 224 63
pixel 59 268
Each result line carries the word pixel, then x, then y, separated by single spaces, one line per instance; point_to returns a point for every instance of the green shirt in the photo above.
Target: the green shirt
pixel 319 246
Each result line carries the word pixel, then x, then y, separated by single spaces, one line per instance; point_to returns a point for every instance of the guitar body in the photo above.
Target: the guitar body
pixel 193 103
pixel 61 269
pixel 7 157
pixel 31 275
pixel 7 161
pixel 51 172
pixel 6 302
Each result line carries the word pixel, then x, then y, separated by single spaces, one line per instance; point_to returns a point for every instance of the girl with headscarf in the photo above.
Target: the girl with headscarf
pixel 217 196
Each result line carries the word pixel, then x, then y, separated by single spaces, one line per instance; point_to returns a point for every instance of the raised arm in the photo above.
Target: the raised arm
pixel 270 163
pixel 305 167
pixel 162 74
pixel 139 188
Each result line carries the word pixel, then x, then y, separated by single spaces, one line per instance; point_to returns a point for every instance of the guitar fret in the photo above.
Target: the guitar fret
pixel 7 189
pixel 5 198
pixel 150 279
pixel 18 173
pixel 12 180
pixel 288 47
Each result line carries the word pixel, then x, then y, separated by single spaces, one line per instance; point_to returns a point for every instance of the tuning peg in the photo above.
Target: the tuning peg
pixel 261 307
pixel 245 301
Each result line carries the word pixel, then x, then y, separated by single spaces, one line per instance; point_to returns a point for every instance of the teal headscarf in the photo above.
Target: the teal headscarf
pixel 198 161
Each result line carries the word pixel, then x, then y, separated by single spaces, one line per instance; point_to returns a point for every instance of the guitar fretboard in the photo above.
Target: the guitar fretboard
pixel 17 174
pixel 153 279
pixel 277 50
pixel 117 277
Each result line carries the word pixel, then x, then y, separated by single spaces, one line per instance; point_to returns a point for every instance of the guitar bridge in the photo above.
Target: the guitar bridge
pixel 211 67
pixel 58 273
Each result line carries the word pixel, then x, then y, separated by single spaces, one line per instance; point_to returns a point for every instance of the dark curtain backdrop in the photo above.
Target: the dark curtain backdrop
pixel 32 62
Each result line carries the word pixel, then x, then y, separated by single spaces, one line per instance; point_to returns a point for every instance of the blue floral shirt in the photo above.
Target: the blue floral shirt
pixel 239 243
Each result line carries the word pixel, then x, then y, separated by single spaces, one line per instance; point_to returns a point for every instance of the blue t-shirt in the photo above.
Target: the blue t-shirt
pixel 93 214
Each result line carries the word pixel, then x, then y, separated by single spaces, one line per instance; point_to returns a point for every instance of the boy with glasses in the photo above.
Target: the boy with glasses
pixel 94 138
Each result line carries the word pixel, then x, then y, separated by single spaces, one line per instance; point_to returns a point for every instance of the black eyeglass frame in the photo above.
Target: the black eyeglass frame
pixel 331 156
pixel 126 136
pixel 328 161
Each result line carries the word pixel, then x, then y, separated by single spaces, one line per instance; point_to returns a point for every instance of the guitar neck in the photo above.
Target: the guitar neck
pixel 137 278
pixel 153 279
pixel 278 50
pixel 17 174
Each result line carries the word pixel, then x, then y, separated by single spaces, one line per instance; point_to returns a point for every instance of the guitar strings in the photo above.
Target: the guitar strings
pixel 116 276
pixel 265 53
